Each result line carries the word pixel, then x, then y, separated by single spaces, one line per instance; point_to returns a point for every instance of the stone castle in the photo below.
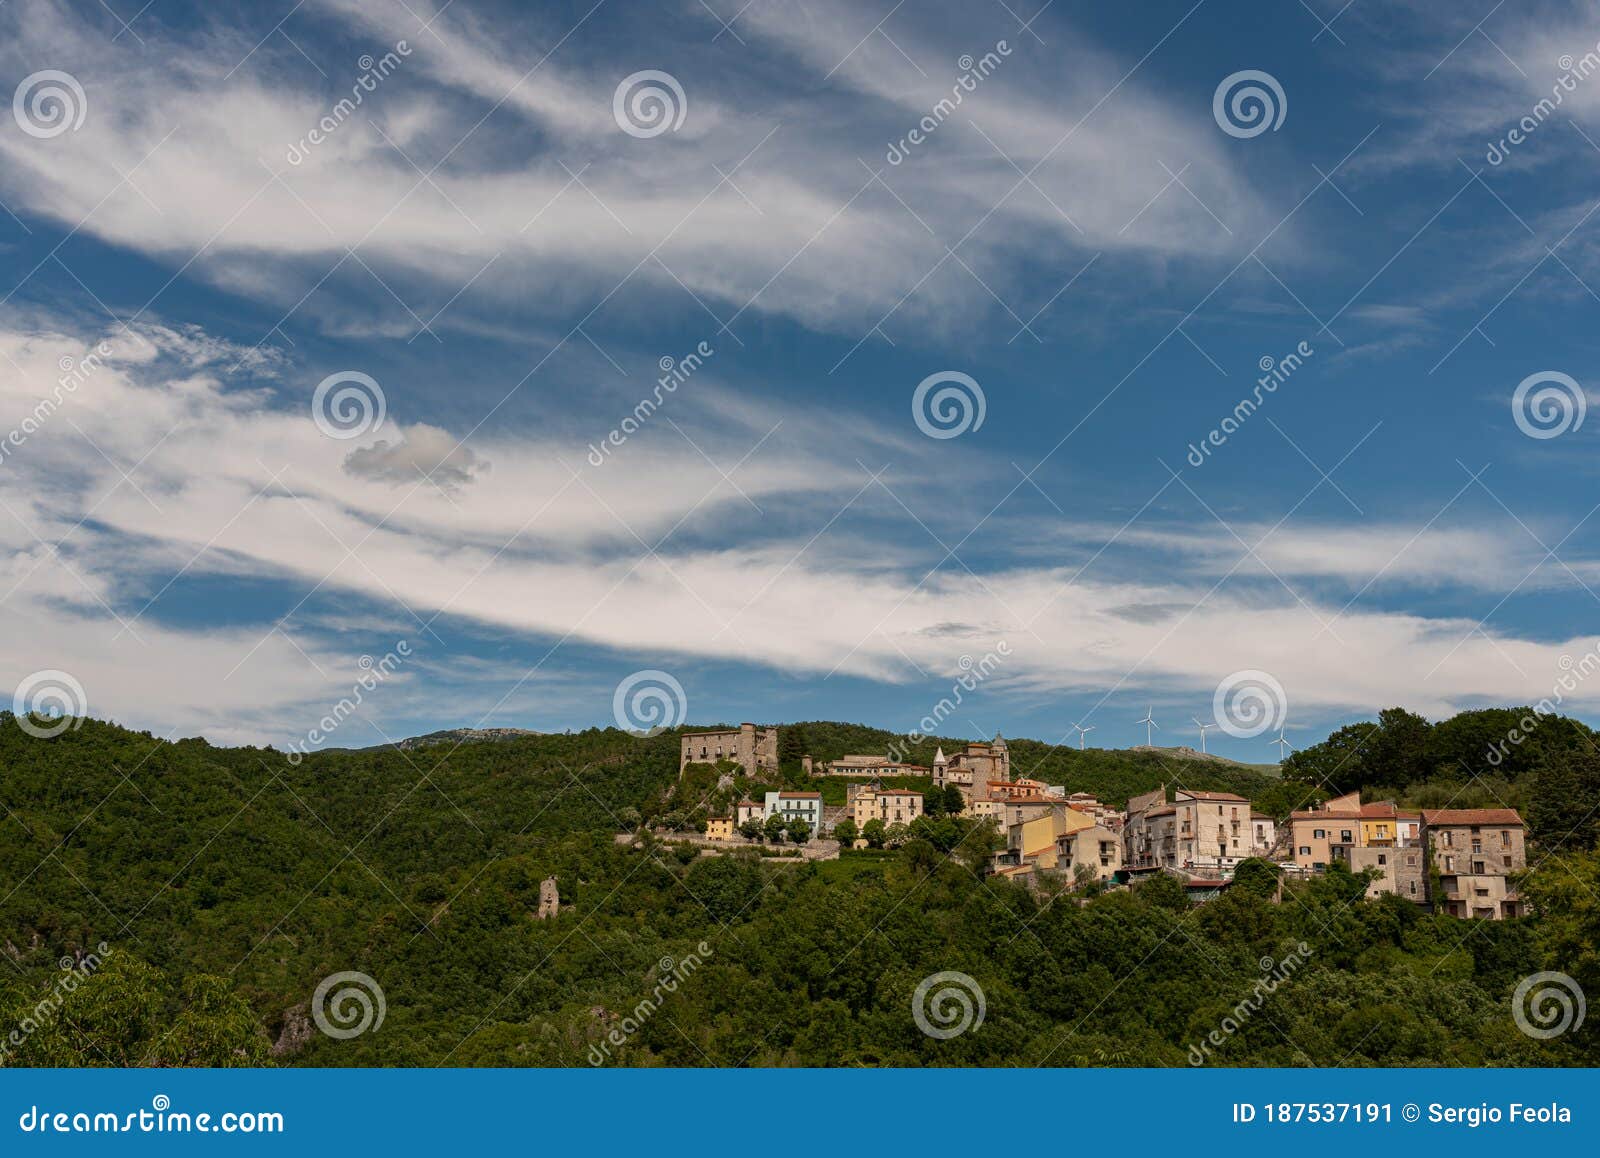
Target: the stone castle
pixel 756 749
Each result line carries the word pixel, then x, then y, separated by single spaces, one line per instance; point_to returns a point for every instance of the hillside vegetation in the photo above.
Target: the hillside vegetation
pixel 227 883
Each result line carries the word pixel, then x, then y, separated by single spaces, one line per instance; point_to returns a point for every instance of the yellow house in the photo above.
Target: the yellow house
pixel 1033 840
pixel 719 827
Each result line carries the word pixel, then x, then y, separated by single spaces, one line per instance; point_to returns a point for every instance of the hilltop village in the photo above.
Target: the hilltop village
pixel 1456 861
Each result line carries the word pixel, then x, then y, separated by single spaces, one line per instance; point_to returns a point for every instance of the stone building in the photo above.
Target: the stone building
pixel 1474 851
pixel 549 898
pixel 1211 831
pixel 719 828
pixel 1404 868
pixel 973 767
pixel 756 749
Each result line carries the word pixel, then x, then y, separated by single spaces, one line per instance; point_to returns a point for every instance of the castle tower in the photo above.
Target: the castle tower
pixel 549 898
pixel 1002 757
pixel 941 768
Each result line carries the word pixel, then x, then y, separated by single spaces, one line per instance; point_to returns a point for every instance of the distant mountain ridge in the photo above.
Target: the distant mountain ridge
pixel 462 736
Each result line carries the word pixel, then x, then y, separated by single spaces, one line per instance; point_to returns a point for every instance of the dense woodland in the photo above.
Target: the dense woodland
pixel 226 883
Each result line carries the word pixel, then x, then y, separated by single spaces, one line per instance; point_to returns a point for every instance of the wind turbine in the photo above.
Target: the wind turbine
pixel 1281 742
pixel 1149 722
pixel 1203 728
pixel 1082 732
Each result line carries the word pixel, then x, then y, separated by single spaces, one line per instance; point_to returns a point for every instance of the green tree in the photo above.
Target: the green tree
pixel 775 828
pixel 933 802
pixel 875 832
pixel 799 830
pixel 1256 875
pixel 954 802
pixel 752 828
pixel 846 833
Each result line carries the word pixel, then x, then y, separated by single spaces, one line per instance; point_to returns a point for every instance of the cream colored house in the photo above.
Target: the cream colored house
pixel 1096 848
pixel 890 805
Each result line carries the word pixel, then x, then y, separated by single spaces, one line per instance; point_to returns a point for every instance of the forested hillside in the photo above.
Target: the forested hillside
pixel 226 884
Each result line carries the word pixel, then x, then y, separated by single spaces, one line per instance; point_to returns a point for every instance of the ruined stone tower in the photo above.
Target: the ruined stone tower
pixel 549 898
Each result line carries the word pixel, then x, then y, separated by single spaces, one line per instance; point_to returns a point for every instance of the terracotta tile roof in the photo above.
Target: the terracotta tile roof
pixel 1382 810
pixel 1216 796
pixel 898 792
pixel 1167 811
pixel 799 796
pixel 1447 816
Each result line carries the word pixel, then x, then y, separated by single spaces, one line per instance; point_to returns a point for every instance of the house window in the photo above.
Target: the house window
pixel 1382 859
pixel 1413 888
pixel 1507 859
pixel 1505 837
pixel 1411 860
pixel 1305 850
pixel 1318 834
pixel 1344 836
pixel 1449 864
pixel 1477 866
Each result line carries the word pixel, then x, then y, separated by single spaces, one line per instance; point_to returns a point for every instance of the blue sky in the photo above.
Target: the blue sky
pixel 509 250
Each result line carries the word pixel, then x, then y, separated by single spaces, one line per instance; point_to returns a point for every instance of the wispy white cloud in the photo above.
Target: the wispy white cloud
pixel 534 548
